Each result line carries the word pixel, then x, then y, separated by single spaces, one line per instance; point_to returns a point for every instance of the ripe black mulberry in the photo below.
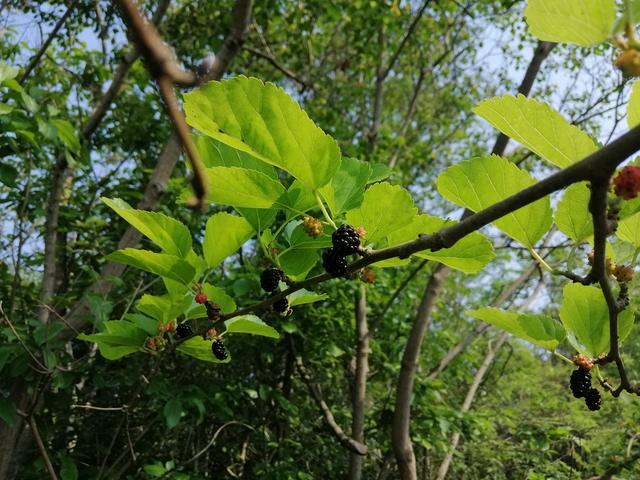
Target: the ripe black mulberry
pixel 219 350
pixel 580 382
pixel 346 240
pixel 334 263
pixel 270 279
pixel 593 400
pixel 184 330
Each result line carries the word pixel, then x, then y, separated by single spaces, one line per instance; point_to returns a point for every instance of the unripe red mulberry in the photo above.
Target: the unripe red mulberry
pixel 627 183
pixel 201 298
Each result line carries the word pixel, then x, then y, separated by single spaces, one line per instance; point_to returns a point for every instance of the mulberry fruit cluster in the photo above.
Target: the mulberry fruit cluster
pixel 345 241
pixel 219 350
pixel 627 183
pixel 580 383
pixel 270 279
pixel 184 330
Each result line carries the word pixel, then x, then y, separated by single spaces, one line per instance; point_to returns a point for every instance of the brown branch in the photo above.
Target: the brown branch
pixel 60 172
pixel 360 380
pixel 274 62
pixel 405 39
pixel 36 58
pixel 42 448
pixel 163 67
pixel 346 441
pixel 161 60
pixel 595 166
pixel 79 314
pixel 601 230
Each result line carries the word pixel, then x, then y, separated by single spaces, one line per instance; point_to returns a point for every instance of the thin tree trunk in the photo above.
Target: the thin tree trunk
pixel 79 315
pixel 400 437
pixel 60 172
pixel 492 350
pixel 360 381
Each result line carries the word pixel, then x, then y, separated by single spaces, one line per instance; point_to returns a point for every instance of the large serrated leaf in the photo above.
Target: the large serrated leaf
pixel 538 127
pixel 216 154
pixel 585 316
pixel 252 325
pixel 224 235
pixel 482 181
pixel 572 214
pixel 537 329
pixel 263 121
pixel 161 264
pixel 470 254
pixel 581 22
pixel 166 232
pixel 241 187
pixel 384 209
pixel 633 107
pixel 163 308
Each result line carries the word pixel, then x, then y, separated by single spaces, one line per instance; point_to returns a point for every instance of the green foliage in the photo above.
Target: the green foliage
pixel 480 182
pixel 585 315
pixel 540 330
pixel 582 22
pixel 538 127
pixel 263 121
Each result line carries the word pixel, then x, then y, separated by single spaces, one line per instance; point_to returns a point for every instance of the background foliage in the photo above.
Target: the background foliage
pixel 523 423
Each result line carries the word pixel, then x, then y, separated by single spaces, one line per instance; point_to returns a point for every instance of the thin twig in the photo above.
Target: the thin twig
pixel 42 448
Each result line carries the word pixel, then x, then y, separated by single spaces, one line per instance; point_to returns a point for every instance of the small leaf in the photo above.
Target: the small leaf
pixel 346 189
pixel 172 412
pixel 572 214
pixel 67 134
pixel 68 470
pixel 224 235
pixel 118 339
pixel 384 209
pixel 581 22
pixel 166 232
pixel 537 329
pixel 241 187
pixel 7 72
pixel 263 121
pixel 585 315
pixel 252 325
pixel 470 254
pixel 302 297
pixel 8 175
pixel 163 308
pixel 633 107
pixel 200 348
pixel 161 264
pixel 8 411
pixel 538 127
pixel 629 230
pixel 481 182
